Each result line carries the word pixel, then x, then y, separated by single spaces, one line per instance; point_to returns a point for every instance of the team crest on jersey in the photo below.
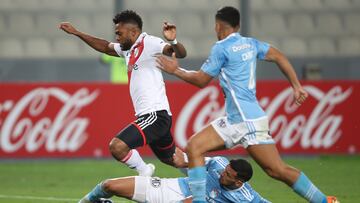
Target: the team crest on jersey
pixel 155 182
pixel 214 193
pixel 221 123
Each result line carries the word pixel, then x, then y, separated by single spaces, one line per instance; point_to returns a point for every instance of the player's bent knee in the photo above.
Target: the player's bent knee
pixel 118 148
pixel 193 149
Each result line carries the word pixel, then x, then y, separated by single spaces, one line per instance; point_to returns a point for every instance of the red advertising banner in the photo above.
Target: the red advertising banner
pixel 80 119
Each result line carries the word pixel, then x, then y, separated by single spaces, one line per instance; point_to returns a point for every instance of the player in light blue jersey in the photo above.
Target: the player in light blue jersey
pixel 233 59
pixel 226 183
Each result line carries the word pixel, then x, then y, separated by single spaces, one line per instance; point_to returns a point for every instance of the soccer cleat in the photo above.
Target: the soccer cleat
pixel 84 200
pixel 332 199
pixel 150 169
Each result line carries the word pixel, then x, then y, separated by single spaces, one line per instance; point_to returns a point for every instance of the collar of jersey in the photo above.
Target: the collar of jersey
pixel 231 35
pixel 138 40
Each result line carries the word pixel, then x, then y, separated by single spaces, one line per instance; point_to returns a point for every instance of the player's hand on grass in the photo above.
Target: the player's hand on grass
pixel 167 64
pixel 169 31
pixel 68 28
pixel 300 95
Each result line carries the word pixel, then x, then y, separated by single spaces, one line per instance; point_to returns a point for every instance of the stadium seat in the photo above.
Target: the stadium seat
pixel 81 21
pixel 47 24
pixel 301 24
pixel 329 24
pixel 191 50
pixel 337 5
pixel 322 47
pixel 294 47
pixel 86 5
pixel 88 52
pixel 139 4
pixel 66 47
pixel 352 23
pixel 11 48
pixel 355 4
pixel 349 46
pixel 103 26
pixel 21 24
pixel 309 5
pixel 216 4
pixel 172 5
pixel 204 46
pixel 273 24
pixel 272 41
pixel 58 5
pixel 259 5
pixel 199 4
pixel 2 25
pixel 284 5
pixel 155 22
pixel 209 23
pixel 195 28
pixel 37 48
pixel 7 5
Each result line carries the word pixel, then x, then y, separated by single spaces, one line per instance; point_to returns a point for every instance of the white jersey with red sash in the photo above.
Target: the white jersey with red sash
pixel 147 87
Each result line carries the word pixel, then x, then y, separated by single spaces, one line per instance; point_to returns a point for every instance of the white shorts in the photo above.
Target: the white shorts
pixel 157 190
pixel 245 133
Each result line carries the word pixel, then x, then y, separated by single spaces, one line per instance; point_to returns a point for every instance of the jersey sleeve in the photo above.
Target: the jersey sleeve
pixel 217 162
pixel 156 44
pixel 215 61
pixel 262 49
pixel 118 50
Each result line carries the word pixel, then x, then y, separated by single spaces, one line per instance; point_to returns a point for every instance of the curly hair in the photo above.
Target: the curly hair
pixel 128 16
pixel 229 15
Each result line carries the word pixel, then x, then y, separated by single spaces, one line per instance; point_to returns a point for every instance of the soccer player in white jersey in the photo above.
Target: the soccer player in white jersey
pixel 226 183
pixel 147 88
pixel 233 60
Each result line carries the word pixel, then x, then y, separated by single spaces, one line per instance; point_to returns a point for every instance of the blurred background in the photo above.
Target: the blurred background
pixel 315 34
pixel 44 71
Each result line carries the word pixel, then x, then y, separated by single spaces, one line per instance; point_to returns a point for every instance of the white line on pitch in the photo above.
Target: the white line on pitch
pixel 43 198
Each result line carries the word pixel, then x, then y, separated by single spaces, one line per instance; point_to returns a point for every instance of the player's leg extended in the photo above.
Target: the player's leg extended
pixel 204 141
pixel 121 187
pixel 267 156
pixel 122 148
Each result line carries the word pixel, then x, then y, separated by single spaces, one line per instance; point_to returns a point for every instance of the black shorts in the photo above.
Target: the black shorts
pixel 152 129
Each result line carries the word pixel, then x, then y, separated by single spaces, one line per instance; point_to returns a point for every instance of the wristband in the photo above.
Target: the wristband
pixel 173 42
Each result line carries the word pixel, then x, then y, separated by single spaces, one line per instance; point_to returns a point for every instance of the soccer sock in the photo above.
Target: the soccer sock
pixel 197 183
pixel 305 188
pixel 98 193
pixel 134 161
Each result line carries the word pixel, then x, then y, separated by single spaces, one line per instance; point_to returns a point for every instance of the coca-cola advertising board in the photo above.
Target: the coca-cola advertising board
pixel 80 119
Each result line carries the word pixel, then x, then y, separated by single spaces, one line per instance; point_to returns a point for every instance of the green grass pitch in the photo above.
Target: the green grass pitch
pixel 50 181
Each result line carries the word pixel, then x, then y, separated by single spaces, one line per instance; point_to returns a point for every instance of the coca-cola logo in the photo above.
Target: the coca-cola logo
pixel 23 127
pixel 289 126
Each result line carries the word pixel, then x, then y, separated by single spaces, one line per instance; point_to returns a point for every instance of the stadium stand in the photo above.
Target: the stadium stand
pixel 303 29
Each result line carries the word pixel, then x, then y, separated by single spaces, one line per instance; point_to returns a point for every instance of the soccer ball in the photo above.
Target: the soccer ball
pixel 102 200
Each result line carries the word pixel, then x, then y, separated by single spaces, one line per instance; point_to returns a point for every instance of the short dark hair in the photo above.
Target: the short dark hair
pixel 229 15
pixel 128 16
pixel 243 169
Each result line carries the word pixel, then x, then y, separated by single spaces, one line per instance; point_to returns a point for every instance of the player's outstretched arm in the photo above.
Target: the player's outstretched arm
pixel 98 44
pixel 169 32
pixel 274 55
pixel 171 66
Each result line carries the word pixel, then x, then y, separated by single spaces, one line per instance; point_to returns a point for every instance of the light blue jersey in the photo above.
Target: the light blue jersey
pixel 233 59
pixel 216 193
